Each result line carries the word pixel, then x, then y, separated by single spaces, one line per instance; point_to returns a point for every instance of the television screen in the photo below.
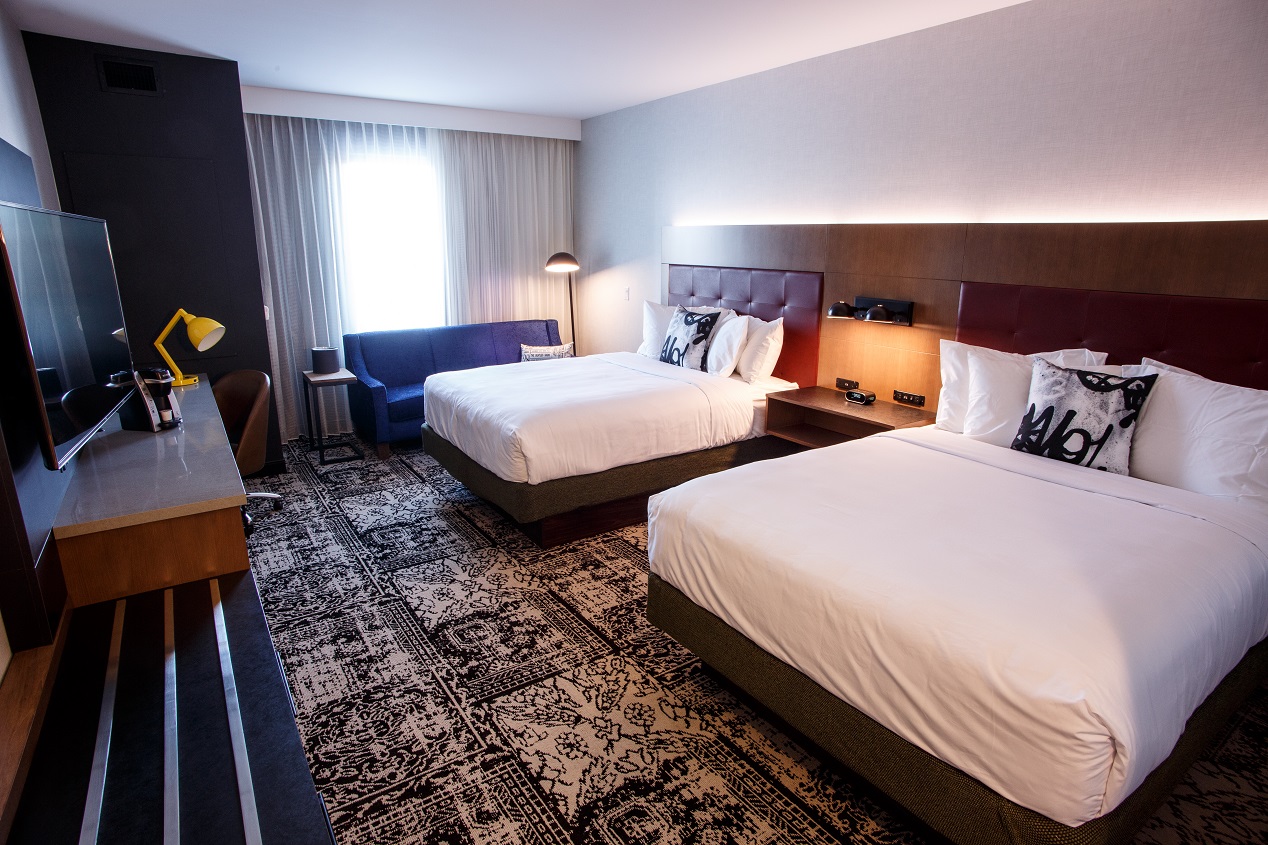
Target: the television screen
pixel 61 276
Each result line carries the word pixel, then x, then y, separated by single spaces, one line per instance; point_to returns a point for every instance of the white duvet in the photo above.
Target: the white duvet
pixel 1045 628
pixel 541 420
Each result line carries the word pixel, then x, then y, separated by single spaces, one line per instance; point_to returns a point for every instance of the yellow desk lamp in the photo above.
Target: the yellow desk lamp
pixel 204 333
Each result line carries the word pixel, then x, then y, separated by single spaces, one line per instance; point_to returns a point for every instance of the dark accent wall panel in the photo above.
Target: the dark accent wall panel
pixel 1217 258
pixel 167 170
pixel 29 494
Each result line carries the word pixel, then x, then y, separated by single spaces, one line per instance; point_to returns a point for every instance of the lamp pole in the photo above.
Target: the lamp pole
pixel 564 262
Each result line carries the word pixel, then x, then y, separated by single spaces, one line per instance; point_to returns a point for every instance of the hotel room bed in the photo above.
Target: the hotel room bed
pixel 1023 651
pixel 571 447
pixel 543 420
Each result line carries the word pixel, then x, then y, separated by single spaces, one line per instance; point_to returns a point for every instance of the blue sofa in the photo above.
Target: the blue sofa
pixel 387 398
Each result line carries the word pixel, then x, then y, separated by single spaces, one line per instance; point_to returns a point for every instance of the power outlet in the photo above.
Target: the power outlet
pixel 909 398
pixel 847 384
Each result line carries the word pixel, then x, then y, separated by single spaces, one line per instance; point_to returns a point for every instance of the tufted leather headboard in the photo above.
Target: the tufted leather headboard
pixel 765 294
pixel 1222 339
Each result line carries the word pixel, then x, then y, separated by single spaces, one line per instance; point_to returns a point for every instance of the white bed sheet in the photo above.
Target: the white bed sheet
pixel 541 420
pixel 1045 628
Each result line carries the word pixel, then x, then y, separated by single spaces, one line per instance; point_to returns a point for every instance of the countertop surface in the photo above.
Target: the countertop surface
pixel 132 477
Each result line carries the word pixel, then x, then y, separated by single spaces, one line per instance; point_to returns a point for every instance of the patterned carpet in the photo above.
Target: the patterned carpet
pixel 457 684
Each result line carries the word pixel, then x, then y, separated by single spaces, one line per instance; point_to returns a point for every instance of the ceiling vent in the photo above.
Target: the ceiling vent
pixel 122 76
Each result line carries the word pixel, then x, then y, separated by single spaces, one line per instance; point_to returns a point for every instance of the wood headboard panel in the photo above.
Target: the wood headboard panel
pixel 927 262
pixel 767 295
pixel 1222 339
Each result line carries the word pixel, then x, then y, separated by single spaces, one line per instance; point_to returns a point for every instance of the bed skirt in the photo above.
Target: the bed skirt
pixel 578 495
pixel 948 800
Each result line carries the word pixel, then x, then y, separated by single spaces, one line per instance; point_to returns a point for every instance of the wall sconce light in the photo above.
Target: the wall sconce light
pixel 203 332
pixel 896 312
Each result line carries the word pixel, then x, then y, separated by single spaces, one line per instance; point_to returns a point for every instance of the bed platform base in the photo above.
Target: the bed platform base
pixel 566 509
pixel 951 802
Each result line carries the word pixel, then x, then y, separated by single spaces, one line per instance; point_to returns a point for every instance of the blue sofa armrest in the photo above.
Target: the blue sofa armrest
pixel 367 399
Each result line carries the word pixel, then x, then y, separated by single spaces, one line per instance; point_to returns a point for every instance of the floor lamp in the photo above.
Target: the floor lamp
pixel 563 262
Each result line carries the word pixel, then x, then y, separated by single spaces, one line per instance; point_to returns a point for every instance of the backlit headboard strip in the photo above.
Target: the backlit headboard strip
pixel 1222 339
pixel 767 295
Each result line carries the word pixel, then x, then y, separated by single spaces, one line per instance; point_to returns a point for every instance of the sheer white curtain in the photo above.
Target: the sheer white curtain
pixel 295 190
pixel 507 207
pixel 366 226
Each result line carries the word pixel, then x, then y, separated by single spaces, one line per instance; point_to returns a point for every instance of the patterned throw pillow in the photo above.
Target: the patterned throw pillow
pixel 687 341
pixel 545 353
pixel 1082 417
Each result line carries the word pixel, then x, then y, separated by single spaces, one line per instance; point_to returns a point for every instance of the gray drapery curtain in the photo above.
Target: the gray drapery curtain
pixel 505 206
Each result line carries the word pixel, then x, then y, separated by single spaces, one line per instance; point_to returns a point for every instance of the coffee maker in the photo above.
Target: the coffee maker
pixel 154 408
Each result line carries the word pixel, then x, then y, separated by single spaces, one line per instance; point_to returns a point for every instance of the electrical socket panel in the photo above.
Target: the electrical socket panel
pixel 847 384
pixel 905 398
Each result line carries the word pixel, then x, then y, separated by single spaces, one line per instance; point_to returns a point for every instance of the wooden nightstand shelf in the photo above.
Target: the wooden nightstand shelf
pixel 820 416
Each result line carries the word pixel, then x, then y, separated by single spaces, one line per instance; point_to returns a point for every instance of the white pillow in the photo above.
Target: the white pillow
pixel 727 345
pixel 1204 436
pixel 953 398
pixel 761 349
pixel 1145 363
pixel 999 388
pixel 656 319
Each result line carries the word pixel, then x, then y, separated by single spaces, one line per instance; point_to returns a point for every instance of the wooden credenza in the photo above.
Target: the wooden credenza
pixel 149 510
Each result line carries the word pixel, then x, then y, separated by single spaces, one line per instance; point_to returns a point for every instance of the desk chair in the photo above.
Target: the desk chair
pixel 243 399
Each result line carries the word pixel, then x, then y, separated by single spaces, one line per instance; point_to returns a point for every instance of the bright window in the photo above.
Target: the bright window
pixel 392 243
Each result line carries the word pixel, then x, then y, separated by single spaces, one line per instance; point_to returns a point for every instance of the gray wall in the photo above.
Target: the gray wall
pixel 1052 110
pixel 19 113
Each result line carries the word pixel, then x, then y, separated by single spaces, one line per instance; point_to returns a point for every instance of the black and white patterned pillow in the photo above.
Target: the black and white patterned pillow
pixel 545 353
pixel 1082 417
pixel 687 340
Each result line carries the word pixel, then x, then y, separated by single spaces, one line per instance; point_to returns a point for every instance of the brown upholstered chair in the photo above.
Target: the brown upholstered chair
pixel 242 397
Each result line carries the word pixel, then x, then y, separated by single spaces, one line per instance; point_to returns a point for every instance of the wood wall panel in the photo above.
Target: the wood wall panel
pixel 1224 259
pixel 797 247
pixel 925 263
pixel 917 250
pixel 936 303
pixel 887 358
pixel 882 369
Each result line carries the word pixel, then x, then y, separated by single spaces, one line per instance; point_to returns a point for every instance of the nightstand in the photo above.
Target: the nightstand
pixel 820 416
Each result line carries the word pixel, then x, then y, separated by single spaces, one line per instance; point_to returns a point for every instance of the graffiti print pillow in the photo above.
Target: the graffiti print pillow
pixel 1082 417
pixel 687 340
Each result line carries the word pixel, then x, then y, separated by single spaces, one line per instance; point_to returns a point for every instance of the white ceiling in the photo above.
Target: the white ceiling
pixel 563 58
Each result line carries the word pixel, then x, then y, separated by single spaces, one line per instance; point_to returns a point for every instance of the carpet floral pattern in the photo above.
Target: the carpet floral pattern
pixel 456 684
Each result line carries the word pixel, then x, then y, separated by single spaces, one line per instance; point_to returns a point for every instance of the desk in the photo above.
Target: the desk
pixel 149 510
pixel 313 381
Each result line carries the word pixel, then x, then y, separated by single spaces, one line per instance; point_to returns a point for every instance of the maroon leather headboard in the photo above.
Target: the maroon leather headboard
pixel 1222 339
pixel 765 294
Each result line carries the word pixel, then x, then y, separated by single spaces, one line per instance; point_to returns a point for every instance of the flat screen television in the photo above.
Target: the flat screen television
pixel 61 276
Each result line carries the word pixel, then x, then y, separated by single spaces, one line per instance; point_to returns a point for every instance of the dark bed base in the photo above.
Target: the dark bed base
pixel 945 798
pixel 567 509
